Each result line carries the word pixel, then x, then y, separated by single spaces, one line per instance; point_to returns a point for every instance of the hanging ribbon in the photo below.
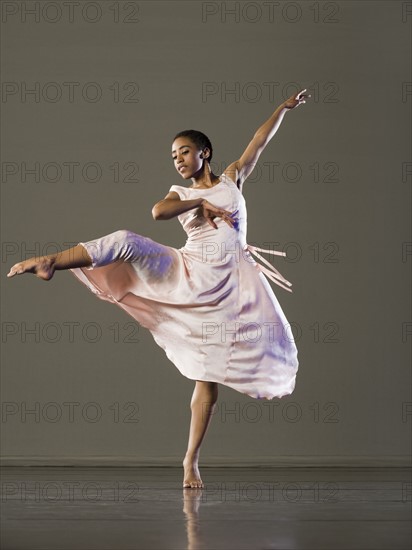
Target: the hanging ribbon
pixel 272 272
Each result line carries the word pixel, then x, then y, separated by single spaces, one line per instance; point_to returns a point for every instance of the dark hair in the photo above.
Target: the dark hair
pixel 198 138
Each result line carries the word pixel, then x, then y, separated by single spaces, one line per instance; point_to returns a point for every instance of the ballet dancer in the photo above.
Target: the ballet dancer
pixel 152 282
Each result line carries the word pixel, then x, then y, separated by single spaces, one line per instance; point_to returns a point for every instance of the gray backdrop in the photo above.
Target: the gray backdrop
pixel 92 96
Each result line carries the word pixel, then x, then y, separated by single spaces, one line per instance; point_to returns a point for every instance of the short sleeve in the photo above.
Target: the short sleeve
pixel 181 191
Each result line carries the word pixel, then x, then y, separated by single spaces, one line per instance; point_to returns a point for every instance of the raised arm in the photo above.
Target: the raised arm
pixel 239 170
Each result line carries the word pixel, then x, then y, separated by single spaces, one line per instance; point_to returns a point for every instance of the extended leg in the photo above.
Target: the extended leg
pixel 45 266
pixel 121 244
pixel 202 405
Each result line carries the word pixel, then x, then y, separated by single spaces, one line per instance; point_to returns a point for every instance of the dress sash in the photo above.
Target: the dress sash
pixel 270 271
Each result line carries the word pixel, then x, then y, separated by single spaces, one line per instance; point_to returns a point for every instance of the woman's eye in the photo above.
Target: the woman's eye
pixel 183 153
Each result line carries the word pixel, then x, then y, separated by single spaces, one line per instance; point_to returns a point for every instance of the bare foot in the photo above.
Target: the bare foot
pixel 191 479
pixel 42 267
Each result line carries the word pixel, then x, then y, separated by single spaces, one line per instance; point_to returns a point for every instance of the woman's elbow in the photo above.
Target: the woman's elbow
pixel 157 212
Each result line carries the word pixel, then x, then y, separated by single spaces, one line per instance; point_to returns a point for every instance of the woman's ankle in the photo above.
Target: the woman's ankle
pixel 191 457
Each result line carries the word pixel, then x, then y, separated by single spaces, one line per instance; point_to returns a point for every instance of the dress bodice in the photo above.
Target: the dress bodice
pixel 224 244
pixel 224 194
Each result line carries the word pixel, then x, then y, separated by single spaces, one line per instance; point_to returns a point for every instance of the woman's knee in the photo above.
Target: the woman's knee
pixel 128 244
pixel 122 236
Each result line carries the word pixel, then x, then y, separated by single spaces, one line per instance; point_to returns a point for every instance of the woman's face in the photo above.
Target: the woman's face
pixel 187 157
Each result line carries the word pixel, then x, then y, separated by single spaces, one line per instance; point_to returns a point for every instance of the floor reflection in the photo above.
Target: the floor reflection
pixel 53 508
pixel 191 505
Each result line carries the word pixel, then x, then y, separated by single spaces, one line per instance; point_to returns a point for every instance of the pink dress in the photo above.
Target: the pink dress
pixel 207 304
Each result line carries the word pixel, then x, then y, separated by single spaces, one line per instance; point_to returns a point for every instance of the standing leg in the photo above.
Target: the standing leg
pixel 202 405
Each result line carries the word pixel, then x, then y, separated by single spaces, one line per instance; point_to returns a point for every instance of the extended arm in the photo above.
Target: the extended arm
pixel 241 169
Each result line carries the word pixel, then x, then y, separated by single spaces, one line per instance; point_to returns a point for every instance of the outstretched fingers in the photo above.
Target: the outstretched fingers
pixel 301 97
pixel 225 215
pixel 211 222
pixel 296 99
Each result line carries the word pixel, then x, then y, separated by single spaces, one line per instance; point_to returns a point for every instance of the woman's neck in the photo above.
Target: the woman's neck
pixel 205 179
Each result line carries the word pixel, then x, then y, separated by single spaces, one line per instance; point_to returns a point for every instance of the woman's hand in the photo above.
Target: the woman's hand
pixel 209 212
pixel 296 99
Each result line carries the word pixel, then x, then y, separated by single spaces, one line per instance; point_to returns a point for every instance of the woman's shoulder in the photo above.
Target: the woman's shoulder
pixel 179 190
pixel 178 187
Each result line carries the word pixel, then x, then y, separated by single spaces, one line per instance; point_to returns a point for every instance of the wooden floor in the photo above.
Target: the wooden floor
pixel 240 508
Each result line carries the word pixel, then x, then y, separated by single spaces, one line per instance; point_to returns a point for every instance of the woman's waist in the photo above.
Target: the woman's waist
pixel 215 250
